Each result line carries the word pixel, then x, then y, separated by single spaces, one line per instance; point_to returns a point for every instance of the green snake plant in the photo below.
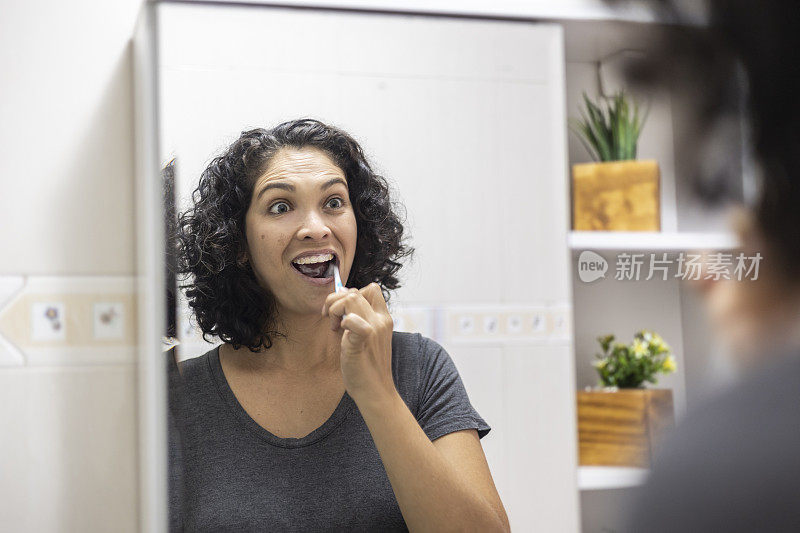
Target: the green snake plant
pixel 609 129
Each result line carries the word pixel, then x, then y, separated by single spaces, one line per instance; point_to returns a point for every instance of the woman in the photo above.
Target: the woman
pixel 314 414
pixel 733 463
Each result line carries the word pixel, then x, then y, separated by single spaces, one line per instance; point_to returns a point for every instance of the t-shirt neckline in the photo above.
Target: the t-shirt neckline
pixel 339 414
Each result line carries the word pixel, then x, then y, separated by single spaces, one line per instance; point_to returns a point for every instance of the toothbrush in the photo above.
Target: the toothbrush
pixel 337 282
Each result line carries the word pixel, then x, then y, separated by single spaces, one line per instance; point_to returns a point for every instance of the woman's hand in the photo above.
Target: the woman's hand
pixel 366 358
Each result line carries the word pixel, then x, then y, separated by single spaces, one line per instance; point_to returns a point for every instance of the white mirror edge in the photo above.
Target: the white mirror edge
pixel 152 388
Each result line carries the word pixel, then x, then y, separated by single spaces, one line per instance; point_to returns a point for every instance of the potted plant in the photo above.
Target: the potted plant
pixel 617 192
pixel 620 422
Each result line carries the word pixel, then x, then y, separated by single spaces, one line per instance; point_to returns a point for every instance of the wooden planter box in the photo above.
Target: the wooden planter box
pixel 616 196
pixel 622 428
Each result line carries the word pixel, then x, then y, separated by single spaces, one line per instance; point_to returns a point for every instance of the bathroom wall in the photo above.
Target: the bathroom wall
pixel 67 304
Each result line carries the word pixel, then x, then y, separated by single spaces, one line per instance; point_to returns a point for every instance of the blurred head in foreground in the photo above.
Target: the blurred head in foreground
pixel 732 464
pixel 733 58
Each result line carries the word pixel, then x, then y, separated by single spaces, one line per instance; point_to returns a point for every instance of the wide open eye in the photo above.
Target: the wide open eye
pixel 274 212
pixel 336 200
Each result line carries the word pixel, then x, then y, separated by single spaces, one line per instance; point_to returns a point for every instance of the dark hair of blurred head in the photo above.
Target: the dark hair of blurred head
pixel 747 52
pixel 223 292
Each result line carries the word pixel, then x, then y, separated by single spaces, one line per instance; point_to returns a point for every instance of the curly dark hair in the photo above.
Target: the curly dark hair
pixel 222 291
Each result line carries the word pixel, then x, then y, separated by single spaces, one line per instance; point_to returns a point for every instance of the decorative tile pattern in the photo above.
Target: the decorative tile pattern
pixel 67 320
pixel 10 286
pixel 545 323
pixel 548 323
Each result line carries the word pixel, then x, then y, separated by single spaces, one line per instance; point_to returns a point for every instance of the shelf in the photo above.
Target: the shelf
pixel 565 10
pixel 651 241
pixel 610 477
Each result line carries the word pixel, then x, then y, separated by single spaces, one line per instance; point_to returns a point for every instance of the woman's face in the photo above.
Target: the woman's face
pixel 300 204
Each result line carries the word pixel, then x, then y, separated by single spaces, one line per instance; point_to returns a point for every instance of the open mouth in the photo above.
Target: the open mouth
pixel 319 270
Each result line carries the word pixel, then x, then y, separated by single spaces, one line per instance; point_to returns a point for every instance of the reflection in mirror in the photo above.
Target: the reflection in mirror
pixel 314 142
pixel 274 218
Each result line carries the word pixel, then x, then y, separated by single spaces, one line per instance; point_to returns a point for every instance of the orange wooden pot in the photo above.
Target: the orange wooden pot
pixel 616 196
pixel 623 427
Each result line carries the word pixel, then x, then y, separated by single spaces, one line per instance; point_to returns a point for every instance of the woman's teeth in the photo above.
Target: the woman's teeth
pixel 315 270
pixel 321 258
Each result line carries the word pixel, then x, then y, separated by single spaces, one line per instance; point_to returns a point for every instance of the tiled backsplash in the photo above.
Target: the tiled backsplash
pixel 67 320
pixel 545 323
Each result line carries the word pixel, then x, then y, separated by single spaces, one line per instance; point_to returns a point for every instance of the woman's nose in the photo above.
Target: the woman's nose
pixel 314 226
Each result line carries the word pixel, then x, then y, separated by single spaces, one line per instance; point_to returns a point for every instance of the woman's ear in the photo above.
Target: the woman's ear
pixel 242 259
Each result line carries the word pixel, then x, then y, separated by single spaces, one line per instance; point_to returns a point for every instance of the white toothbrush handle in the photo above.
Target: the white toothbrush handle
pixel 337 282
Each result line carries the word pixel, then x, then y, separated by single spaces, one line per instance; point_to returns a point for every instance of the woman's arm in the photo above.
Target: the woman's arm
pixel 444 485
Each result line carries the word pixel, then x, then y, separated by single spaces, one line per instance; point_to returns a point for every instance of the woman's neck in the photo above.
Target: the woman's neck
pixel 308 347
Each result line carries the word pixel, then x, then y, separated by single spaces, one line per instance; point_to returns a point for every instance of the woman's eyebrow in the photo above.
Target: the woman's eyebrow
pixel 289 187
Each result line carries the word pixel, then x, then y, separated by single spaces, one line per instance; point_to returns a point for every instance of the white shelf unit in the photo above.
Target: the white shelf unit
pixel 650 241
pixel 610 477
pixel 529 10
pixel 623 307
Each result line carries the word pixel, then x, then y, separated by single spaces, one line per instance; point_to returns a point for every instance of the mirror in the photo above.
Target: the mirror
pixel 464 119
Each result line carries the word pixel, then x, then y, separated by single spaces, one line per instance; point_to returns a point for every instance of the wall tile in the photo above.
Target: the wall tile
pixel 70 320
pixel 68 449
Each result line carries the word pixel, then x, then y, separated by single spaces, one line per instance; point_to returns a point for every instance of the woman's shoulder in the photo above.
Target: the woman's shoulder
pixel 416 357
pixel 405 341
pixel 416 340
pixel 412 349
pixel 197 368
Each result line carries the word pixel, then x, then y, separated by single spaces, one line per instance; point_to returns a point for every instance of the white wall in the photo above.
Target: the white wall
pixel 68 446
pixel 66 137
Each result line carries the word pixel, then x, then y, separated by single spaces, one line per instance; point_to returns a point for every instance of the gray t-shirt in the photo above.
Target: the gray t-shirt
pixel 227 473
pixel 733 464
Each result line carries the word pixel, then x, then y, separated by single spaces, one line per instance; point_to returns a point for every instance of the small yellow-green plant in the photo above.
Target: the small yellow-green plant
pixel 610 128
pixel 630 365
